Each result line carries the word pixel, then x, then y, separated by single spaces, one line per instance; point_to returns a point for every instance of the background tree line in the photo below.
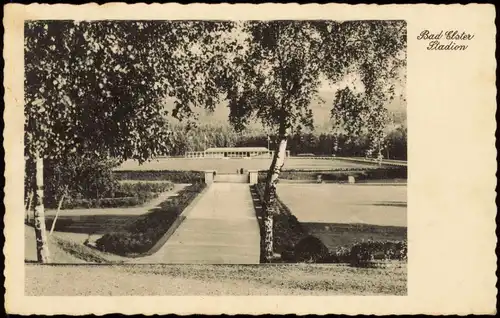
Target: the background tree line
pixel 320 144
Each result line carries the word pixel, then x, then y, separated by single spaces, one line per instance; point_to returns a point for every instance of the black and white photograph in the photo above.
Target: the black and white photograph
pixel 218 142
pixel 243 156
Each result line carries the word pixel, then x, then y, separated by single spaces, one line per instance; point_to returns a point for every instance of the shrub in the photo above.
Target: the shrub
pixel 288 255
pixel 341 255
pixel 363 253
pixel 311 250
pixel 125 242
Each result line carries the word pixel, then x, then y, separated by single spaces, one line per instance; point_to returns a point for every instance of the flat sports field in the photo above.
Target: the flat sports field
pixel 342 203
pixel 342 214
pixel 230 165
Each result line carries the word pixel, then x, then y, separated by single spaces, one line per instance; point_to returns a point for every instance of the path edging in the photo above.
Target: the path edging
pixel 175 225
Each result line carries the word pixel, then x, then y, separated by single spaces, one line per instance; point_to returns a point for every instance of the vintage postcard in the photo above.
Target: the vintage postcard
pixel 270 152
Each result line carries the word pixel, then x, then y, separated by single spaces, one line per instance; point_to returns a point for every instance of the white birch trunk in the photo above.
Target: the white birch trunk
pixel 28 207
pixel 270 196
pixel 42 248
pixel 57 212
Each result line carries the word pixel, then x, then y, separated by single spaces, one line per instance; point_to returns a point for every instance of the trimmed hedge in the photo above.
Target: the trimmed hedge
pixel 137 187
pixel 378 173
pixel 102 203
pixel 140 236
pixel 126 195
pixel 176 176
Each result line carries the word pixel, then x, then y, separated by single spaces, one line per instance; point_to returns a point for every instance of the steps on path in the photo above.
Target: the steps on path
pixel 231 178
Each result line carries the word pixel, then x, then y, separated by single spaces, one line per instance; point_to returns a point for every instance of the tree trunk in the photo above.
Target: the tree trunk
pixel 42 248
pixel 57 212
pixel 269 204
pixel 28 207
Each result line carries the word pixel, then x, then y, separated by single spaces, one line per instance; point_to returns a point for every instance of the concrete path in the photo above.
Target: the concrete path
pixel 220 229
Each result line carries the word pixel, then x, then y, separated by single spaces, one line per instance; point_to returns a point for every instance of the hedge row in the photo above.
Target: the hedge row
pixel 342 174
pixel 140 236
pixel 363 254
pixel 176 176
pixel 137 188
pixel 126 195
pixel 106 202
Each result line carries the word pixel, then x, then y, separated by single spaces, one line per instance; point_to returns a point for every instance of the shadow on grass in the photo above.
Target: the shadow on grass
pixel 400 204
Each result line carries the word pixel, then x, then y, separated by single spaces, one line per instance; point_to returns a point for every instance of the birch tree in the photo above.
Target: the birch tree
pixel 280 70
pixel 96 86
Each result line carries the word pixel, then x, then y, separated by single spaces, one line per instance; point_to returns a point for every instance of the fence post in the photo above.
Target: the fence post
pixel 253 176
pixel 209 176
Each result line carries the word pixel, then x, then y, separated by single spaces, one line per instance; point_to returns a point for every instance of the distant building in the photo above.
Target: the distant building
pixel 233 152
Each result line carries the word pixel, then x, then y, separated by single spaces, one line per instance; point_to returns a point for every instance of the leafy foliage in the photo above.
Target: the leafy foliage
pixel 88 177
pixel 97 85
pixel 283 64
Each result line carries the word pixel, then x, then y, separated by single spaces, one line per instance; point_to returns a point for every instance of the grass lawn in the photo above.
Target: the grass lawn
pixel 66 248
pixel 148 280
pixel 343 214
pixel 230 165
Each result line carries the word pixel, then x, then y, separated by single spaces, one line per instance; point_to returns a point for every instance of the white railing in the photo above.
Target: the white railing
pixel 234 154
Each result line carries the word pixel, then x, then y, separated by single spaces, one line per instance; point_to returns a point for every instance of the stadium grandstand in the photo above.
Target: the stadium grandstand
pixel 233 152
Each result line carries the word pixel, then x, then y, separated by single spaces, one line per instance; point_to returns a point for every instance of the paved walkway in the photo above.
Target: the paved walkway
pixel 220 229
